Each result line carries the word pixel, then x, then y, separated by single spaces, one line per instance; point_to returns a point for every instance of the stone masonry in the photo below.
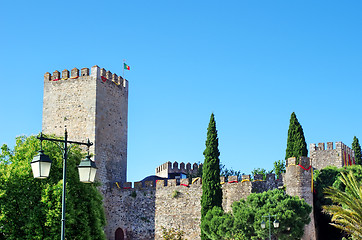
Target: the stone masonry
pixel 298 182
pixel 91 105
pixel 339 156
pixel 142 211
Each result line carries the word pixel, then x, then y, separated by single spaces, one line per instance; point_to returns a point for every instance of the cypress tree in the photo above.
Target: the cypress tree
pixel 296 145
pixel 211 188
pixel 357 151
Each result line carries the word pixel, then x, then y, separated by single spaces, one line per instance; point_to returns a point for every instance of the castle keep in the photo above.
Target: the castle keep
pixel 94 104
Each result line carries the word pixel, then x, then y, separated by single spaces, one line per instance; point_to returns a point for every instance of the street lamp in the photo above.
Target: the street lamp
pixel 275 223
pixel 41 167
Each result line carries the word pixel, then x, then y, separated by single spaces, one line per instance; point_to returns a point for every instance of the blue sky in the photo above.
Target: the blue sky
pixel 251 63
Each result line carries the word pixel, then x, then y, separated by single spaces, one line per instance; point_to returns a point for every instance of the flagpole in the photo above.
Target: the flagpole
pixel 124 60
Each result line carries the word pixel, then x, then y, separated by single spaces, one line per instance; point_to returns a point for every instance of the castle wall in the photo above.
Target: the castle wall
pixel 178 207
pixel 322 157
pixel 142 211
pixel 132 210
pixel 298 181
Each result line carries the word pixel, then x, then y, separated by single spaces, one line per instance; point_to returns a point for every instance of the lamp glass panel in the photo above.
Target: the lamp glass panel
pixel 41 169
pixel 92 174
pixel 84 173
pixel 35 166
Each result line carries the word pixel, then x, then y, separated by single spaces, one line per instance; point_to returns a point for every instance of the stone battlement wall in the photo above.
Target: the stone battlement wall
pixel 96 72
pixel 172 203
pixel 168 167
pixel 338 156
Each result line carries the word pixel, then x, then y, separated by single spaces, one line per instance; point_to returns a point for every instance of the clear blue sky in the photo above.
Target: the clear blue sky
pixel 251 63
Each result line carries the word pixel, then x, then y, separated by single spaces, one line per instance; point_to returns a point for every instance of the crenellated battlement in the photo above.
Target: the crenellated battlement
pixel 330 146
pixel 168 168
pixel 257 182
pixel 96 72
pixel 338 155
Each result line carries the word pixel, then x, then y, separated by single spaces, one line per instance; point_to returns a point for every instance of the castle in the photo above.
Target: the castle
pixel 94 104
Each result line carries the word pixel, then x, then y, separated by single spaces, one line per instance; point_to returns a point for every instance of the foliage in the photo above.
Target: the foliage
pixel 31 208
pixel 261 171
pixel 211 188
pixel 357 151
pixel 296 145
pixel 172 234
pixel 175 194
pixel 346 213
pixel 247 215
pixel 279 168
pixel 323 179
pixel 225 172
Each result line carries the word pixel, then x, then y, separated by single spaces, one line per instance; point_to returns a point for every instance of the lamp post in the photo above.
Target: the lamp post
pixel 41 167
pixel 275 223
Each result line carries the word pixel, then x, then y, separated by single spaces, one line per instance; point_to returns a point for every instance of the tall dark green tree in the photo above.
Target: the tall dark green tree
pixel 357 151
pixel 211 188
pixel 296 145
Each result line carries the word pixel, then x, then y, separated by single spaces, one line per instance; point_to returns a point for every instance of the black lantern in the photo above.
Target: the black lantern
pixel 87 170
pixel 41 165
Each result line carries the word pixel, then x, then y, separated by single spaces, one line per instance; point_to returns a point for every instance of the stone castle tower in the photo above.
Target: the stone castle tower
pixel 90 105
pixel 298 182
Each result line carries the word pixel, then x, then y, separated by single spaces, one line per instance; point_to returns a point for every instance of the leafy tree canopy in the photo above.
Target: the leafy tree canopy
pixel 244 221
pixel 225 172
pixel 31 208
pixel 279 168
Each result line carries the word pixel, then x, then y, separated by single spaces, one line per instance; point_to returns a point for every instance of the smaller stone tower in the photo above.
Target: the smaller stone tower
pixel 298 181
pixel 169 170
pixel 340 156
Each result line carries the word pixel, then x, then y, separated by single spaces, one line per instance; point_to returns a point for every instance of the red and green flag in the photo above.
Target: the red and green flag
pixel 125 66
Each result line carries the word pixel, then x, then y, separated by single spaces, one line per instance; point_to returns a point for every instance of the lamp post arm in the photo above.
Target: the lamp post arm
pixel 41 138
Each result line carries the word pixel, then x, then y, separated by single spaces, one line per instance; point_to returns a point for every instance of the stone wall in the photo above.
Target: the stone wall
pixel 339 156
pixel 132 210
pixel 298 181
pixel 143 210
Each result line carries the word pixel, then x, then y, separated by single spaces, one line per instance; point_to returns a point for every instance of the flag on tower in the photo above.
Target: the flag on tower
pixel 125 66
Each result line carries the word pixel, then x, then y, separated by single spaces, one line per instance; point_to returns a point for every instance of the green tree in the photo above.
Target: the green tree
pixel 225 172
pixel 261 171
pixel 31 208
pixel 279 168
pixel 357 151
pixel 244 221
pixel 328 177
pixel 211 188
pixel 296 145
pixel 346 213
